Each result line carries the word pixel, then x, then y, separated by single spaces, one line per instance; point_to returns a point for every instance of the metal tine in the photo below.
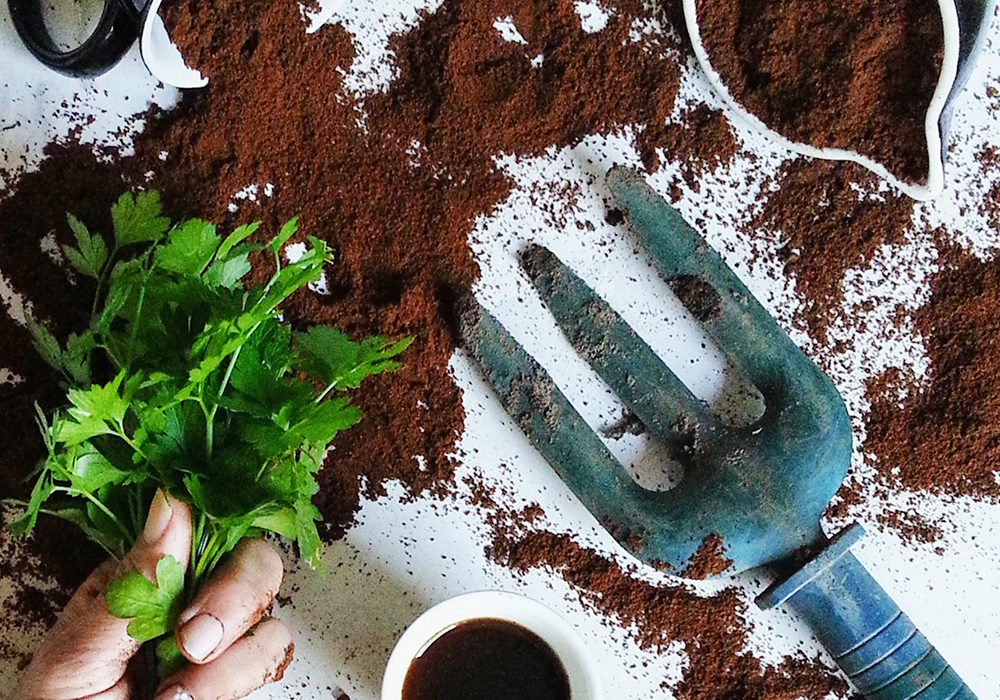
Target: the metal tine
pixel 749 335
pixel 556 430
pixel 629 366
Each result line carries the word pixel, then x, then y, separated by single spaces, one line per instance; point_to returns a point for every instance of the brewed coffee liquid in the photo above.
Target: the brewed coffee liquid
pixel 487 659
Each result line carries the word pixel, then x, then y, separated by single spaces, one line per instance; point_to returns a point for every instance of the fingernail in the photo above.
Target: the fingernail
pixel 174 692
pixel 200 636
pixel 159 516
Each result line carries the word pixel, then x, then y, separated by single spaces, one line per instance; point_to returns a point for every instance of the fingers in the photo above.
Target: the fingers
pixel 251 662
pixel 231 602
pixel 88 650
pixel 122 690
pixel 167 532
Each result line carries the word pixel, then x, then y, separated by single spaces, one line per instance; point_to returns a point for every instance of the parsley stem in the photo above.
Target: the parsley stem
pixel 232 364
pixel 326 391
pixel 130 442
pixel 209 435
pixel 208 555
pixel 90 497
pixel 138 316
pixel 100 280
pixel 197 546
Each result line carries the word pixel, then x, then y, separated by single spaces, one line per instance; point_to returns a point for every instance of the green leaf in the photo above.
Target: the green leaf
pixel 45 343
pixel 91 253
pixel 328 355
pixel 76 359
pixel 239 235
pixel 99 410
pixel 137 219
pixel 189 248
pixel 92 471
pixel 126 281
pixel 320 423
pixel 111 540
pixel 227 272
pixel 283 522
pixel 151 607
pixel 102 401
pixel 39 494
pixel 169 659
pixel 310 545
pixel 287 231
pixel 289 279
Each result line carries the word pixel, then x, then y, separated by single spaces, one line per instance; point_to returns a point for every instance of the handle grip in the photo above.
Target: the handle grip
pixel 885 656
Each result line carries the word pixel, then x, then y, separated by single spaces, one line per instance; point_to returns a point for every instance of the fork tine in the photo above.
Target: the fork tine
pixel 630 367
pixel 556 430
pixel 707 287
pixel 662 529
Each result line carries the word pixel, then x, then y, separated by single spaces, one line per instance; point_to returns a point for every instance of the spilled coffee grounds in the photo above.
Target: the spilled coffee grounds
pixel 850 74
pixel 945 437
pixel 827 227
pixel 711 629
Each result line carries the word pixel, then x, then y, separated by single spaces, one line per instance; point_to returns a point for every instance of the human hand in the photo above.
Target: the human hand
pixel 88 653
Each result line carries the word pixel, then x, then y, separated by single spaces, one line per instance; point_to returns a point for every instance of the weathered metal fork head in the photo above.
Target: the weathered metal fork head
pixel 753 494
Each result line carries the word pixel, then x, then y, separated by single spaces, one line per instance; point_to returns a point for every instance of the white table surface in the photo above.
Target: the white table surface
pixel 348 617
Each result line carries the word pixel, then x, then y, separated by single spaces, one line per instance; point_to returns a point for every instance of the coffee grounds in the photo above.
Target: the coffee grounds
pixel 945 436
pixel 827 226
pixel 912 526
pixel 709 561
pixel 852 74
pixel 700 143
pixel 712 629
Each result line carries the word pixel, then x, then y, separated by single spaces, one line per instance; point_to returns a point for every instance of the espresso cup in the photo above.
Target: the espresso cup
pixel 559 635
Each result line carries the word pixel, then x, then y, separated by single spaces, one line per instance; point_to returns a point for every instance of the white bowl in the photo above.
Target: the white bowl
pixel 949 68
pixel 584 683
pixel 161 56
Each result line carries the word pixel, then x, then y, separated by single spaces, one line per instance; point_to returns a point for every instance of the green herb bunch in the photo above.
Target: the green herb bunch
pixel 186 379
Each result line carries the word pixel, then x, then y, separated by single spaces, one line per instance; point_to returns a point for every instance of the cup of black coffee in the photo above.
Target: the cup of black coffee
pixel 490 645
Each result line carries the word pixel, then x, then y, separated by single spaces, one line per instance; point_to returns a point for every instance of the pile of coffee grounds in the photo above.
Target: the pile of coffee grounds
pixel 945 436
pixel 712 629
pixel 853 74
pixel 827 226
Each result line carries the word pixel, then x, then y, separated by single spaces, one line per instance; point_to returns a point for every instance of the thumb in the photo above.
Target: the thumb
pixel 88 650
pixel 167 533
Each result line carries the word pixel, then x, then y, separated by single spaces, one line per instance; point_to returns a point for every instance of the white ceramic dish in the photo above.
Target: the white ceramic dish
pixel 949 69
pixel 554 630
pixel 161 56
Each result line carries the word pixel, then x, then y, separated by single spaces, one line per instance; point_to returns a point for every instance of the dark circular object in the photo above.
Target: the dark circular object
pixel 116 31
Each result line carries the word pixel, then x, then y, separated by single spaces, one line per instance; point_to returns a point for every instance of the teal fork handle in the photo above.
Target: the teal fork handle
pixel 885 656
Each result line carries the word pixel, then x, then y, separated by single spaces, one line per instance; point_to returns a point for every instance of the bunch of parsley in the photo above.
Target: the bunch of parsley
pixel 186 379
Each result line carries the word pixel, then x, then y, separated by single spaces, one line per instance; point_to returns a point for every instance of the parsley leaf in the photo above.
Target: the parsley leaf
pixel 90 255
pixel 327 354
pixel 46 344
pixel 137 219
pixel 189 248
pixel 153 608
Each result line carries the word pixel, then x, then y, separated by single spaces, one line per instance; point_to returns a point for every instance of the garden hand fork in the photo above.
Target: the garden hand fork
pixel 754 494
